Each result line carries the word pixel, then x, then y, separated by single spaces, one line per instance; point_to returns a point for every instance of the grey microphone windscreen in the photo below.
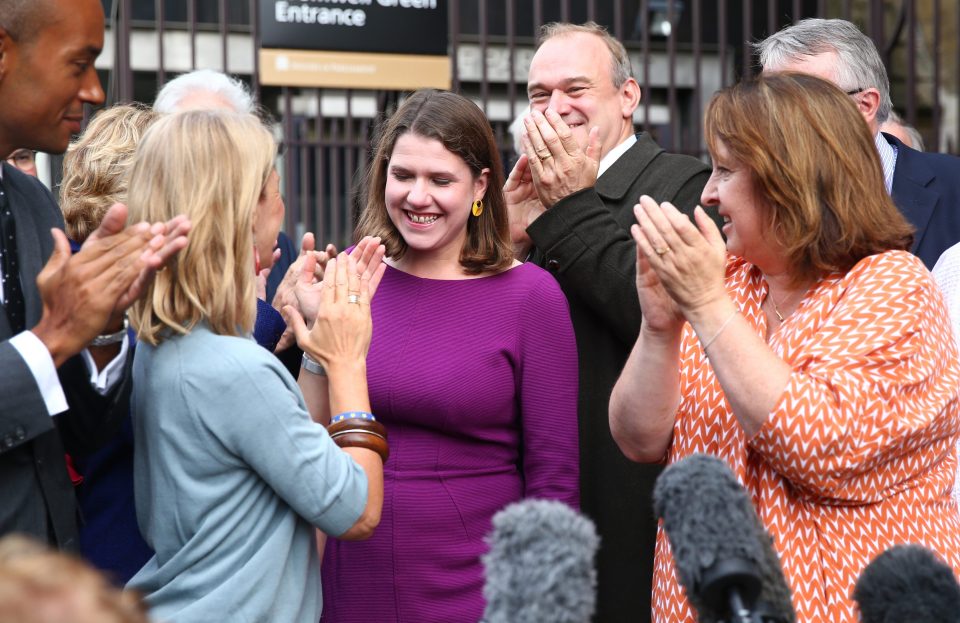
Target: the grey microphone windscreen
pixel 718 542
pixel 908 583
pixel 540 565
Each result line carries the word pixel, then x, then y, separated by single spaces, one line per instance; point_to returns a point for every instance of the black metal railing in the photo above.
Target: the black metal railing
pixel 682 51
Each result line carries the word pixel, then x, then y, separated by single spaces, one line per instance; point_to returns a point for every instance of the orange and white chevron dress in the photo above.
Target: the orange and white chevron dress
pixel 860 452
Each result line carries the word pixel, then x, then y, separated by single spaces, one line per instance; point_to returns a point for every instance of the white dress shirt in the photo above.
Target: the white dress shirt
pixel 614 154
pixel 888 160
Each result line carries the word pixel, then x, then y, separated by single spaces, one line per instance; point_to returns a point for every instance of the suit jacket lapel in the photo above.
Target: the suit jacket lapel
pixel 911 192
pixel 5 331
pixel 613 185
pixel 29 247
pixel 616 181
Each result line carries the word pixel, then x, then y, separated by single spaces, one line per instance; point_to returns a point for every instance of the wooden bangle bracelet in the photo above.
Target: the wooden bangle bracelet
pixel 360 433
pixel 363 439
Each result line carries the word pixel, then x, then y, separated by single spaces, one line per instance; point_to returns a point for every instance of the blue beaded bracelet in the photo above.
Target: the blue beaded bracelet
pixel 353 415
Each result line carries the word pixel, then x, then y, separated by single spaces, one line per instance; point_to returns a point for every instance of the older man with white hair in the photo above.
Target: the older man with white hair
pixel 204 89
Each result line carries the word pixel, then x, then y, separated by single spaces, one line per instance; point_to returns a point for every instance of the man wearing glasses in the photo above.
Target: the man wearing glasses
pixel 924 186
pixel 25 160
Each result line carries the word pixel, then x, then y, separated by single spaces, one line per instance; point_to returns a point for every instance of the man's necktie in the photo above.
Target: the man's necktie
pixel 10 267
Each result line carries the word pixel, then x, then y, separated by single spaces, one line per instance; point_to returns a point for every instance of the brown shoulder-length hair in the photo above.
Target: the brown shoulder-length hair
pixel 460 126
pixel 815 166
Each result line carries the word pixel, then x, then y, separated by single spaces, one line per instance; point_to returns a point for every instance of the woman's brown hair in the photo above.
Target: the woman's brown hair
pixel 460 126
pixel 815 166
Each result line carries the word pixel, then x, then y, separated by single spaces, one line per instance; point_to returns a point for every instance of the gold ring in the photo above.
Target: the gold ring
pixel 662 251
pixel 542 157
pixel 353 298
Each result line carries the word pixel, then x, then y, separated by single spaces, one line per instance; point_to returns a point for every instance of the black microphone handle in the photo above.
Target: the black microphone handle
pixel 738 610
pixel 740 613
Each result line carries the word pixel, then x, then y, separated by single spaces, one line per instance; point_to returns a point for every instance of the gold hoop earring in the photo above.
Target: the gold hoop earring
pixel 477 209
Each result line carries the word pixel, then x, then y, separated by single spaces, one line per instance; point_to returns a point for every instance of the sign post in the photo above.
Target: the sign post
pixel 365 44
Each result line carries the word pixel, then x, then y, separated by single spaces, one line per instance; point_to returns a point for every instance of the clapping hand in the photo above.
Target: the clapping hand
pixel 85 291
pixel 523 206
pixel 285 290
pixel 305 271
pixel 341 331
pixel 558 164
pixel 680 266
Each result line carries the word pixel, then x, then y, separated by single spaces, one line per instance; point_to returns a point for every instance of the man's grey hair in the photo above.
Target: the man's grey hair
pixel 858 62
pixel 916 139
pixel 619 59
pixel 204 81
pixel 517 130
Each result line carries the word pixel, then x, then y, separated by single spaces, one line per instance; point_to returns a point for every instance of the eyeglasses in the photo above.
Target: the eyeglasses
pixel 22 158
pixel 856 91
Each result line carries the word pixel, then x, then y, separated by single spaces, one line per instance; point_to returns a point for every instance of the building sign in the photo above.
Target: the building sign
pixel 371 44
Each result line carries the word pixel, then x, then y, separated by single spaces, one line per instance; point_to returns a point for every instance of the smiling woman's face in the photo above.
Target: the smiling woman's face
pixel 428 194
pixel 733 190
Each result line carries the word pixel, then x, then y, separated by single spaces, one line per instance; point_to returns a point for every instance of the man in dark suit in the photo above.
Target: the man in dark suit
pixel 54 392
pixel 925 186
pixel 577 225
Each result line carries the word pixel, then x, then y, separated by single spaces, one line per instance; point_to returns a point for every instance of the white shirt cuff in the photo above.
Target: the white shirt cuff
pixel 40 363
pixel 105 380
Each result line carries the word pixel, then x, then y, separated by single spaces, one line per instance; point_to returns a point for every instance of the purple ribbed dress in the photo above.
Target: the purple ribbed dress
pixel 476 381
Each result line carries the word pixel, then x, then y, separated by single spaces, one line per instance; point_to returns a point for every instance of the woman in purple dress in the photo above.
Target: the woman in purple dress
pixel 472 367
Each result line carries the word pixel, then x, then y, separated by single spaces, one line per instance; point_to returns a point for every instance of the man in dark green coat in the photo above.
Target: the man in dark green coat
pixel 571 198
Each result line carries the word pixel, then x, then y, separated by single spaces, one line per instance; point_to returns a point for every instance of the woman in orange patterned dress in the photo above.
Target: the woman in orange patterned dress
pixel 809 351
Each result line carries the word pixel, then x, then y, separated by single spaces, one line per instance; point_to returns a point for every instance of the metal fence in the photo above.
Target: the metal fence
pixel 682 51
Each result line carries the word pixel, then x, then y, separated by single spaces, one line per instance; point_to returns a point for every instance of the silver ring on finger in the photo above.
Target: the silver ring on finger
pixel 353 299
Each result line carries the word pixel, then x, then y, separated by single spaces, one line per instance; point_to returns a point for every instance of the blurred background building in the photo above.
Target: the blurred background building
pixel 682 51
